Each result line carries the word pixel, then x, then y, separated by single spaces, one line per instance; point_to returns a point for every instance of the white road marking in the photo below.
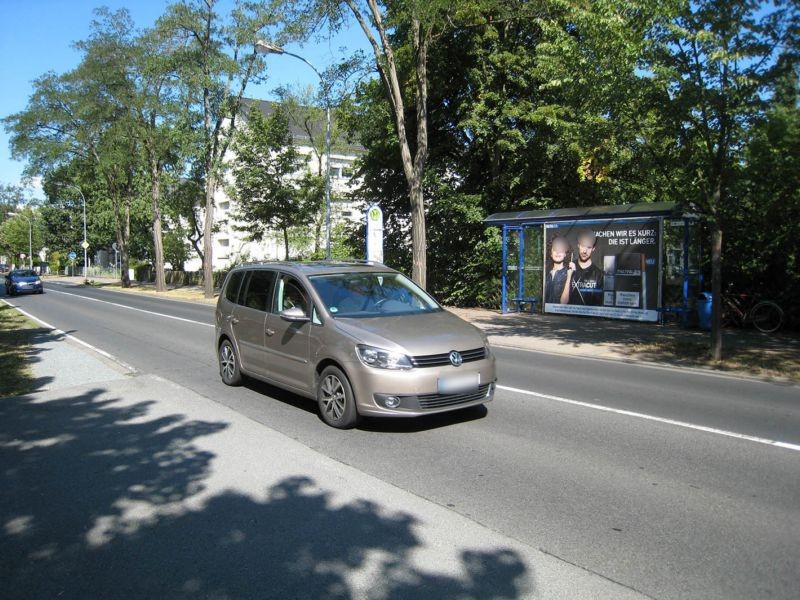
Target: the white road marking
pixel 57 331
pixel 628 413
pixel 149 312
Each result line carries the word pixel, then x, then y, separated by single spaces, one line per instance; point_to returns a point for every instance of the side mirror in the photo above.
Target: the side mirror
pixel 295 315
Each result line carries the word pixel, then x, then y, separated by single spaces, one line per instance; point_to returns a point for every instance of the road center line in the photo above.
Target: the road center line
pixel 149 312
pixel 628 413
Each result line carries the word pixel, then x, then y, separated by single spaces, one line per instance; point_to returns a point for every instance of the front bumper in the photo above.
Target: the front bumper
pixel 28 288
pixel 418 389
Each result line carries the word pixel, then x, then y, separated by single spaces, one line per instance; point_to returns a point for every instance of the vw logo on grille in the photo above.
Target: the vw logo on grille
pixel 456 359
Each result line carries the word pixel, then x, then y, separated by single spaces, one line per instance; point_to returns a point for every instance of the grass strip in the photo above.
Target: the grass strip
pixel 16 332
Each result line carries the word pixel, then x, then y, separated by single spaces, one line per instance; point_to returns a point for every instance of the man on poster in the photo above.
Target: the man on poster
pixel 586 281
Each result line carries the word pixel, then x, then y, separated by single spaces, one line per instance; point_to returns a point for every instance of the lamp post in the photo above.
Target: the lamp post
pixel 30 236
pixel 85 243
pixel 267 48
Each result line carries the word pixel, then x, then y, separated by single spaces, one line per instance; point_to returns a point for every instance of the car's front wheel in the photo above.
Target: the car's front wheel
pixel 337 405
pixel 229 364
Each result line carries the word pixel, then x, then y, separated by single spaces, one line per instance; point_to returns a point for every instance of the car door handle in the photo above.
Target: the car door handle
pixel 233 320
pixel 270 332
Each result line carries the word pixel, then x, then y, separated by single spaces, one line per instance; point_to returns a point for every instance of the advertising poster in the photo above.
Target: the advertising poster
pixel 604 268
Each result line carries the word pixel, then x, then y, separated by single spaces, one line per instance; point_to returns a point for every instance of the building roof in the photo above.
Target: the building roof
pixel 643 209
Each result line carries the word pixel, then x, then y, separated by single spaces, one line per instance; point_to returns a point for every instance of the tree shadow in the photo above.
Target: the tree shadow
pixel 102 499
pixel 744 349
pixel 17 350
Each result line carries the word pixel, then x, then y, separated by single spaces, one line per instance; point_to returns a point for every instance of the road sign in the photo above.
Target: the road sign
pixel 85 245
pixel 375 234
pixel 72 256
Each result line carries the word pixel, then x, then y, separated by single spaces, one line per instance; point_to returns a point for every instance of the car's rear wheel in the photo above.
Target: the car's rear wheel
pixel 229 364
pixel 337 405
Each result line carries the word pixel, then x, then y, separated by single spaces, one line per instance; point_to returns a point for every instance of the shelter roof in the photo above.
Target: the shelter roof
pixel 643 209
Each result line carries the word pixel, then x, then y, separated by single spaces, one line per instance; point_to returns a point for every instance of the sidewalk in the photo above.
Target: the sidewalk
pixel 130 486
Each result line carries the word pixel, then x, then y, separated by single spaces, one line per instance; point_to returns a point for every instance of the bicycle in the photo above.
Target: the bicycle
pixel 739 310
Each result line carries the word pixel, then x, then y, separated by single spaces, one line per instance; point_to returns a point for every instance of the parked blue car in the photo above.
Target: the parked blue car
pixel 23 281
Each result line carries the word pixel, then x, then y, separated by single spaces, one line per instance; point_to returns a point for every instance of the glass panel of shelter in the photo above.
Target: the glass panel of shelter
pixel 511 259
pixel 522 267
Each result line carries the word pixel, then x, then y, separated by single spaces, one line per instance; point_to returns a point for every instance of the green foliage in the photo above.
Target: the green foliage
pixel 266 187
pixel 20 232
pixel 56 261
pixel 176 248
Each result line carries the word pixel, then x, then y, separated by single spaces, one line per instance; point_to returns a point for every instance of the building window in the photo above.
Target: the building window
pixel 224 242
pixel 224 205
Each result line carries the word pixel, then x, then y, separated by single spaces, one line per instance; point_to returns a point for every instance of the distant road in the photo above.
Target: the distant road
pixel 675 483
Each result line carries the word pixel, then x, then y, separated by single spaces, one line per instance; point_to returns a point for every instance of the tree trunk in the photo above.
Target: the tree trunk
pixel 122 226
pixel 418 234
pixel 158 240
pixel 208 249
pixel 413 166
pixel 286 243
pixel 716 293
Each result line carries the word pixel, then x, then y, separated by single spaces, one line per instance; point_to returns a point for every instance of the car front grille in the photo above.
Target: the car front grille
pixel 438 360
pixel 429 401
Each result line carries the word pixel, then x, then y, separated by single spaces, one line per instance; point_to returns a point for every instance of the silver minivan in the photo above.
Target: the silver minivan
pixel 360 338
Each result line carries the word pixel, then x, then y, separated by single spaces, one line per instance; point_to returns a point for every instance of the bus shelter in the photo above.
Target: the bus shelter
pixel 631 261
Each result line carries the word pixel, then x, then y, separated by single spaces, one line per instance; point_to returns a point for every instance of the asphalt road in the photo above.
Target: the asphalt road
pixel 687 497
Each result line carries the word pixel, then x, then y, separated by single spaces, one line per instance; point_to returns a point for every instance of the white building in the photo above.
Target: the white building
pixel 233 246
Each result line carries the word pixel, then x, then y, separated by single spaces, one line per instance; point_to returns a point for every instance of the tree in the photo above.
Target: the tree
pixel 176 248
pixel 160 122
pixel 390 27
pixel 11 196
pixel 268 188
pixel 217 62
pixel 717 63
pixel 310 119
pixel 21 233
pixel 761 235
pixel 75 122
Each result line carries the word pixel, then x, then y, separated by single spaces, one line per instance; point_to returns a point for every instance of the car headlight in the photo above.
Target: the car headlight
pixel 382 359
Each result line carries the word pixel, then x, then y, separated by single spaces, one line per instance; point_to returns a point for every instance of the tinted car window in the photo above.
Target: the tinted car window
pixel 232 289
pixel 259 289
pixel 372 295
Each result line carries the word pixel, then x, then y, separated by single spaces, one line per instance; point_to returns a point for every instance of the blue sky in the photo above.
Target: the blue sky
pixel 36 36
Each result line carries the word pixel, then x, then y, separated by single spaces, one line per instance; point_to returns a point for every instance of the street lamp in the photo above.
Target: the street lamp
pixel 267 48
pixel 30 236
pixel 85 243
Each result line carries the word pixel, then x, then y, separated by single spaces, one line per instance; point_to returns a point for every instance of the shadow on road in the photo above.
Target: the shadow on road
pixel 101 499
pixel 744 349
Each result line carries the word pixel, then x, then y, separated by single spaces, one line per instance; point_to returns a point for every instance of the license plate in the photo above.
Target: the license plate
pixel 458 384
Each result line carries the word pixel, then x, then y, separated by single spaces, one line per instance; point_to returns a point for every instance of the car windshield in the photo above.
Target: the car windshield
pixel 24 274
pixel 372 295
